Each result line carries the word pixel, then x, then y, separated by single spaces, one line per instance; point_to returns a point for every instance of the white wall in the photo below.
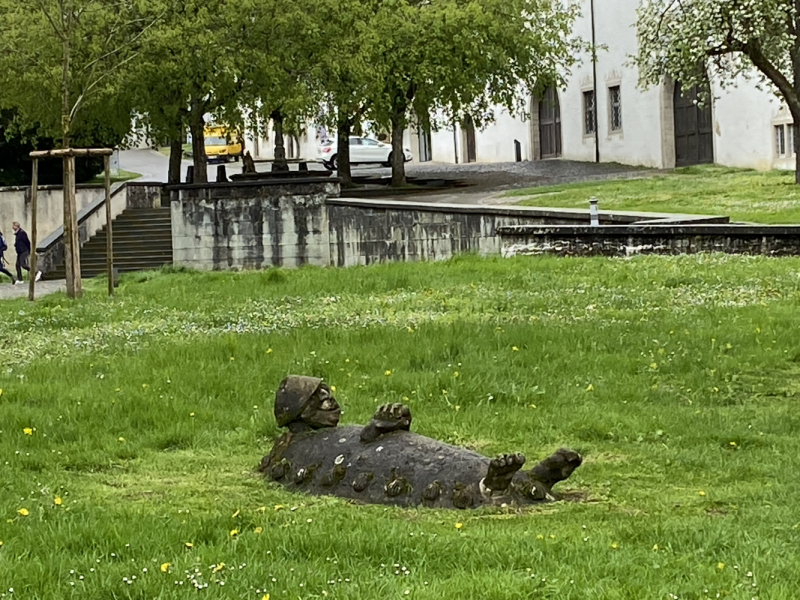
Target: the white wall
pixel 743 126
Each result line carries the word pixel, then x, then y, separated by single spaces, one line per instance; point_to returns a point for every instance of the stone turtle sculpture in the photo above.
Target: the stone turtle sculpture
pixel 385 463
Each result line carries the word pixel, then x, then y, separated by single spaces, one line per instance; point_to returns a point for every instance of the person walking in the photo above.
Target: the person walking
pixel 22 244
pixel 3 248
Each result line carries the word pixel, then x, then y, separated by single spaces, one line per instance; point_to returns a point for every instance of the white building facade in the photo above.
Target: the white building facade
pixel 661 127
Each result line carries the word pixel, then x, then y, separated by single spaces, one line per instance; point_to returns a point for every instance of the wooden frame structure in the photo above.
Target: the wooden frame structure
pixel 72 246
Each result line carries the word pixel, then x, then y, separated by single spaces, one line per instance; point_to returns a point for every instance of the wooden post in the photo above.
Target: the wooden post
pixel 68 270
pixel 72 245
pixel 34 262
pixel 72 238
pixel 109 238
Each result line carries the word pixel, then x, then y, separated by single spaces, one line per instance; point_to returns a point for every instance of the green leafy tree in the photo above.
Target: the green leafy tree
pixel 59 58
pixel 191 66
pixel 727 39
pixel 344 72
pixel 457 55
pixel 282 46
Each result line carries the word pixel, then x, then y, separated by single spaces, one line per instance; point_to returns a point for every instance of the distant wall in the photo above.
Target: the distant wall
pixel 771 240
pixel 253 225
pixel 15 205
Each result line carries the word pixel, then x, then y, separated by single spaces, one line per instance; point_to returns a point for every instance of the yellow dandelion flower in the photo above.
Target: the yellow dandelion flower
pixel 456 374
pixel 387 372
pixel 1 541
pixel 590 388
pixel 702 493
pixel 1 392
pixel 236 514
pixel 333 388
pixel 27 431
pixel 615 545
pixel 120 439
pixel 654 366
pixel 58 501
pixel 720 565
pixel 233 358
pixel 733 444
pixel 165 567
pixel 258 530
pixel 265 597
pixel 234 532
pixel 279 507
pixel 188 545
pixel 514 349
pixel 540 537
pixel 552 537
pixel 191 414
pixel 218 568
pixel 269 350
pixel 655 548
pixel 262 509
pixel 459 525
pixel 23 512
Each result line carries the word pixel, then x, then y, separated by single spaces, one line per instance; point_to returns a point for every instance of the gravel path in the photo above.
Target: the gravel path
pixel 9 291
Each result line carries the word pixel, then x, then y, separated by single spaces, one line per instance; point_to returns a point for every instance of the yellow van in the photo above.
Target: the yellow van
pixel 222 145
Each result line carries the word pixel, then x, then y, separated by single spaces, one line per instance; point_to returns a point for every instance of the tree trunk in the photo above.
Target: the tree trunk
pixel 343 151
pixel 279 162
pixel 175 158
pixel 197 126
pixel 398 157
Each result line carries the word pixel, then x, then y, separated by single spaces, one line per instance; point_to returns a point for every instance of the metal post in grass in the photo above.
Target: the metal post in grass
pixel 594 212
pixel 109 238
pixel 34 202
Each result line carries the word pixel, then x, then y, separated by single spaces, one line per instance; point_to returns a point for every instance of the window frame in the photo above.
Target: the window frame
pixel 615 127
pixel 587 114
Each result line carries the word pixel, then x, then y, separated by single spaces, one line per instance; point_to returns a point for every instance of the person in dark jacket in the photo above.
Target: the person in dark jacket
pixel 3 248
pixel 22 244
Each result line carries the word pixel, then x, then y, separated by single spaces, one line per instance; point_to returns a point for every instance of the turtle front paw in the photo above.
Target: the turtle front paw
pixel 388 418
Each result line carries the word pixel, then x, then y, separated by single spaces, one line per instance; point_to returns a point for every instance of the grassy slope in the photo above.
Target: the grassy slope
pixel 152 410
pixel 770 197
pixel 122 176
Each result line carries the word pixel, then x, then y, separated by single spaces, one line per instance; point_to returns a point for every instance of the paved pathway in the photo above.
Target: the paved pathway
pixel 487 182
pixel 9 291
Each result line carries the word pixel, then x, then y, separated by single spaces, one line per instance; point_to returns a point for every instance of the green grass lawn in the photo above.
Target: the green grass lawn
pixel 131 428
pixel 121 176
pixel 744 195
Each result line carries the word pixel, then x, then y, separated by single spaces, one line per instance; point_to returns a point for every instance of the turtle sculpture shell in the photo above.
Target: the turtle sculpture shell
pixel 384 463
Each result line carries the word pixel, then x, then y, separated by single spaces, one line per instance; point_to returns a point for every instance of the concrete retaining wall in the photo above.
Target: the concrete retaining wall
pixel 772 240
pixel 252 225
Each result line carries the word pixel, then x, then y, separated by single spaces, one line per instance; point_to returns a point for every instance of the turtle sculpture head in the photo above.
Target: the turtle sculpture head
pixel 304 404
pixel 385 463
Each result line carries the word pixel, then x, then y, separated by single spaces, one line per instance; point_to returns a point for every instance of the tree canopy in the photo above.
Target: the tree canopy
pixel 727 40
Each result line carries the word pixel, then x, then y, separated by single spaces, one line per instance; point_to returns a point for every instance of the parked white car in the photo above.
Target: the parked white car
pixel 363 151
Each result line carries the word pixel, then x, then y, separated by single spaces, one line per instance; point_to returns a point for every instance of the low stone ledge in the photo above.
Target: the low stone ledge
pixel 567 240
pixel 546 214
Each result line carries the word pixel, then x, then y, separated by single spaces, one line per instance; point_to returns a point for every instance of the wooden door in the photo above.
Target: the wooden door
pixel 550 124
pixel 694 129
pixel 469 139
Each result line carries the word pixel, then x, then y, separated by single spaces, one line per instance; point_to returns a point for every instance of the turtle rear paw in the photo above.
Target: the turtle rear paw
pixel 501 471
pixel 388 418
